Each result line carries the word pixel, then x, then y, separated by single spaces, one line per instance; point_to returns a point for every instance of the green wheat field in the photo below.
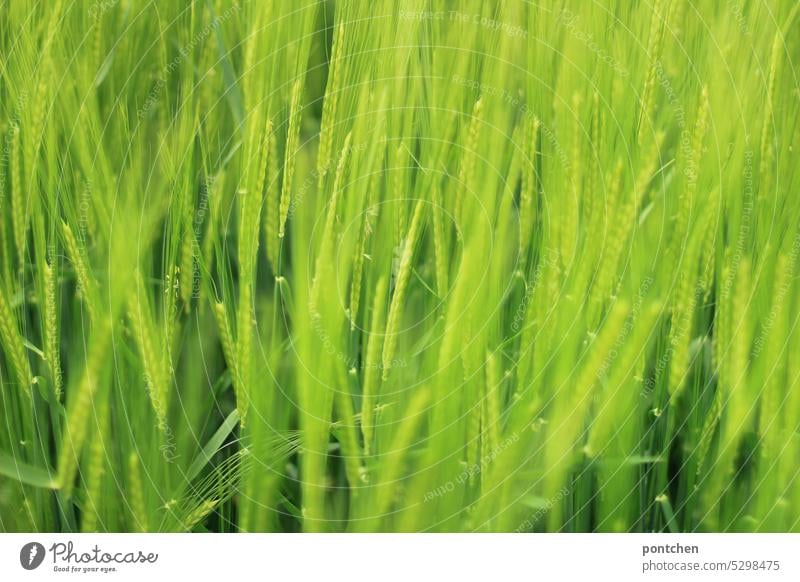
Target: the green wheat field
pixel 399 265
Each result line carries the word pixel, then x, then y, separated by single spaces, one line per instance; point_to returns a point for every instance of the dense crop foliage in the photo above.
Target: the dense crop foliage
pixel 409 265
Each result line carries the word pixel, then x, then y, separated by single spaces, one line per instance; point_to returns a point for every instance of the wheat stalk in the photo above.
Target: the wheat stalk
pixel 658 23
pixel 466 179
pixel 440 255
pixel 271 211
pixel 136 494
pixel 398 297
pixel 51 329
pixel 95 471
pixel 19 210
pixel 327 244
pixel 371 366
pixel 230 353
pixel 528 191
pixel 330 103
pixel 291 152
pixel 80 405
pixel 86 285
pixel 767 149
pixel 153 363
pixel 14 348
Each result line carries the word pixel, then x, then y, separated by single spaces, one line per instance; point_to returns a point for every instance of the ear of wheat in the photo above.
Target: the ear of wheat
pixel 401 286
